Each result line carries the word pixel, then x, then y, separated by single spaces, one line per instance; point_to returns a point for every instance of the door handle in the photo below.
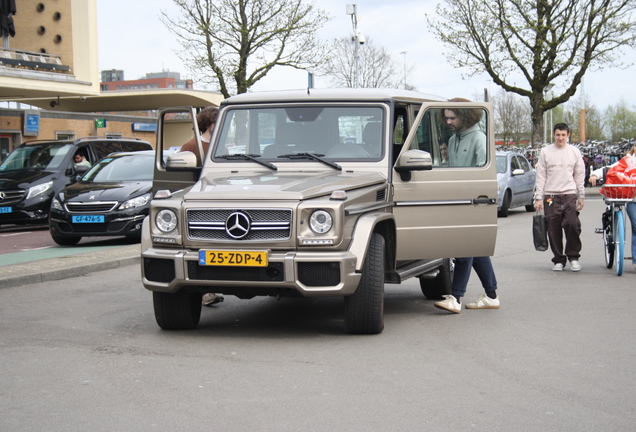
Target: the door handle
pixel 485 200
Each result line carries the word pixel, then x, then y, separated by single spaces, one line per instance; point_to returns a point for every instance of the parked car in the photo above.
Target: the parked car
pixel 349 193
pixel 37 170
pixel 516 181
pixel 111 199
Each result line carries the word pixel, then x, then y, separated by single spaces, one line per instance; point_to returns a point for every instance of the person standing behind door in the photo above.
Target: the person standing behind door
pixel 560 190
pixel 205 121
pixel 467 146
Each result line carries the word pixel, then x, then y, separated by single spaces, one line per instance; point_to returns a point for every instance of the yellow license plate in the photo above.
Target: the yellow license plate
pixel 233 258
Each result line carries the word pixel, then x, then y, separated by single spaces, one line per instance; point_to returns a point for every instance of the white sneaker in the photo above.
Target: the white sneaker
pixel 558 267
pixel 450 304
pixel 484 302
pixel 575 265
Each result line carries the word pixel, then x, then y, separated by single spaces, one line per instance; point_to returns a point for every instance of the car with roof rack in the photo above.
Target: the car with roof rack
pixel 315 193
pixel 36 170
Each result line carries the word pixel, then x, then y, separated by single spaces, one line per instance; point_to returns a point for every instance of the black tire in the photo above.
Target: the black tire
pixel 178 311
pixel 435 289
pixel 505 205
pixel 66 241
pixel 608 240
pixel 530 208
pixel 364 309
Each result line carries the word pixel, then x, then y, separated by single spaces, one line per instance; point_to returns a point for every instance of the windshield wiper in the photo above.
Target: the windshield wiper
pixel 251 157
pixel 314 156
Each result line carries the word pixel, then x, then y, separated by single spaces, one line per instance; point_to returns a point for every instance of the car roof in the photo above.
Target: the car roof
pixel 84 140
pixel 331 95
pixel 141 153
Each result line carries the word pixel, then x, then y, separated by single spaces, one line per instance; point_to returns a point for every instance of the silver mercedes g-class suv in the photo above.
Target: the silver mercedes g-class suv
pixel 315 193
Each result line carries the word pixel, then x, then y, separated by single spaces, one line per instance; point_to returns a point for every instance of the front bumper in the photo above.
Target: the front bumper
pixel 31 211
pixel 115 224
pixel 289 273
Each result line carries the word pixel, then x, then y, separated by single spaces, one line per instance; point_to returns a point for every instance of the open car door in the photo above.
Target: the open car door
pixel 453 208
pixel 175 127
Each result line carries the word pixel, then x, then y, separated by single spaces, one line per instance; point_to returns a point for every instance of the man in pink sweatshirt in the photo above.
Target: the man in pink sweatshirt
pixel 560 190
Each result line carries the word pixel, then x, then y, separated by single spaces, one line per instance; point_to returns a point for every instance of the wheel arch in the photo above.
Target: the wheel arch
pixel 383 224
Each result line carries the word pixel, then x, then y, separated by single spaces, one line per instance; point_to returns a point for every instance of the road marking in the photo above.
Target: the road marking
pixel 14 234
pixel 33 249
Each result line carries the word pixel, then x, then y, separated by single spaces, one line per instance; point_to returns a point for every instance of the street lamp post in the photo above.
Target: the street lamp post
pixel 404 54
pixel 546 89
pixel 352 10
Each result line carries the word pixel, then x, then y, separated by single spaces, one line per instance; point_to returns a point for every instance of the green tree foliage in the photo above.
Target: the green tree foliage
pixel 620 121
pixel 594 120
pixel 234 43
pixel 539 42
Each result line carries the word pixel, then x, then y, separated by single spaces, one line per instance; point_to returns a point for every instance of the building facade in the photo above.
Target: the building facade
pixel 114 80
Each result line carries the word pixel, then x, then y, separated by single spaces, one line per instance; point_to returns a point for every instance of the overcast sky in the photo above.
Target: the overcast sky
pixel 132 38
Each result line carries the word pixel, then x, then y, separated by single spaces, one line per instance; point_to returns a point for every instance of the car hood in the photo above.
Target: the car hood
pixel 87 192
pixel 24 178
pixel 279 185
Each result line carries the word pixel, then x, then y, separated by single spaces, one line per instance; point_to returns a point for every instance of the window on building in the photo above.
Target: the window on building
pixel 64 135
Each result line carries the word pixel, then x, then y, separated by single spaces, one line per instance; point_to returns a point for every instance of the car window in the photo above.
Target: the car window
pixel 501 164
pixel 117 169
pixel 337 132
pixel 103 149
pixel 514 163
pixel 524 163
pixel 134 146
pixel 49 156
pixel 459 132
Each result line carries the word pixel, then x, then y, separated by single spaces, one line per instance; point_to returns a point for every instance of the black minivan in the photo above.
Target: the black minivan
pixel 36 170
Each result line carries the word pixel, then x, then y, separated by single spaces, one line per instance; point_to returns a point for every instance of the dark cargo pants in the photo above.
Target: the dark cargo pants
pixel 562 217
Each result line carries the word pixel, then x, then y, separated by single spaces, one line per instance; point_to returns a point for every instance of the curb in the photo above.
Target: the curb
pixel 68 266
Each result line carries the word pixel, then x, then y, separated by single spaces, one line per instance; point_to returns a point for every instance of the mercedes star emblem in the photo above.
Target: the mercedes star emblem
pixel 237 225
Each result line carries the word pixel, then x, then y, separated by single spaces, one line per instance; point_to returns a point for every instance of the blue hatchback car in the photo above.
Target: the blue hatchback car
pixel 516 182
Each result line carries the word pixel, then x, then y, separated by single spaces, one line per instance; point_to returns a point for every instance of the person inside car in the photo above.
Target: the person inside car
pixel 80 160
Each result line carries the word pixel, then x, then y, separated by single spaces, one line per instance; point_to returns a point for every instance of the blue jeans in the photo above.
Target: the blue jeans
pixel 631 212
pixel 483 268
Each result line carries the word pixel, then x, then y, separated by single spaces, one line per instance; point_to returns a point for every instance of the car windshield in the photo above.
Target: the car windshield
pixel 123 168
pixel 501 164
pixel 335 132
pixel 43 157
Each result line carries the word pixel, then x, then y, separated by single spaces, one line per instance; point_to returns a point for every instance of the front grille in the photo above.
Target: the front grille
pixel 91 207
pixel 272 273
pixel 319 274
pixel 159 270
pixel 266 224
pixel 11 197
pixel 90 227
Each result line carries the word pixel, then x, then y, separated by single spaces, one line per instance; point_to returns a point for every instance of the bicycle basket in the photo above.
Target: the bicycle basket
pixel 619 191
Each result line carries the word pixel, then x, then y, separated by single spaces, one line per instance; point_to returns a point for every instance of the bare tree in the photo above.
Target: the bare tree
pixel 539 41
pixel 376 66
pixel 235 43
pixel 512 117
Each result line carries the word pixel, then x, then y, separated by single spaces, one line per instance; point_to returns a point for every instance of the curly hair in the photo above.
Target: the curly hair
pixel 468 116
pixel 207 118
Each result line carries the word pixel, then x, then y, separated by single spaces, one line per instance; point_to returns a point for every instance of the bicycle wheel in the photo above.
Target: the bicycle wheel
pixel 608 239
pixel 620 242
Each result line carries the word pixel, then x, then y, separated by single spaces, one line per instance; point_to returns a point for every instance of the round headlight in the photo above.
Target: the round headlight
pixel 166 220
pixel 320 221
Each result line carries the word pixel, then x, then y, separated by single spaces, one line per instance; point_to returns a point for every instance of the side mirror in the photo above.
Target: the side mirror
pixel 413 160
pixel 181 161
pixel 517 172
pixel 79 171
